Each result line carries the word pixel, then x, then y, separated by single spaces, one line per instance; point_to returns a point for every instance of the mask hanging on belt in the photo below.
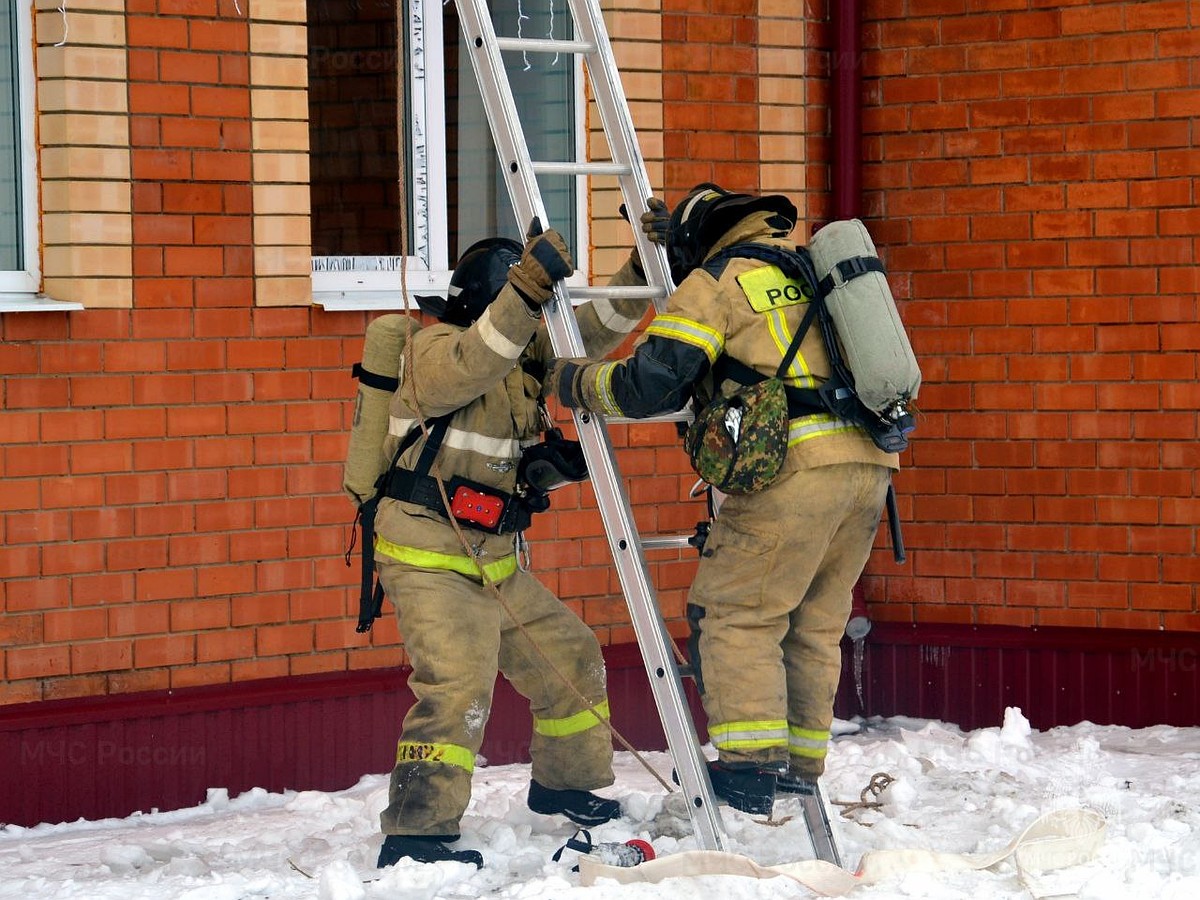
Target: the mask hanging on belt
pixel 553 463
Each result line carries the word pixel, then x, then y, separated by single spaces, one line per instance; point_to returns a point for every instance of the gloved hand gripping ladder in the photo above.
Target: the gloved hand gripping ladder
pixel 627 546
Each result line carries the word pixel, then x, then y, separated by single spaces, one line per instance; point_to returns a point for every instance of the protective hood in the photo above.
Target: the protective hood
pixel 708 212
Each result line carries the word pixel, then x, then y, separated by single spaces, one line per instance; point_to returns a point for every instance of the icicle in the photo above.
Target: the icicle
pixel 859 654
pixel 62 9
pixel 521 17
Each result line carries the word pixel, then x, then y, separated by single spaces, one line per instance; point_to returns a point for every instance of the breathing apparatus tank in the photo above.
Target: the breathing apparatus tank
pixel 378 378
pixel 872 337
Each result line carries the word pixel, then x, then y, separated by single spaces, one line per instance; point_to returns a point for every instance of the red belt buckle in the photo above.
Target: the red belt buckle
pixel 472 506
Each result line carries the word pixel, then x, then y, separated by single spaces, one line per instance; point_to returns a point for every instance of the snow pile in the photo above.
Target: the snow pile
pixel 948 791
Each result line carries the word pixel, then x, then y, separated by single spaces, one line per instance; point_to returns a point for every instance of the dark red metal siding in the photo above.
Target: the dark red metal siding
pixel 110 756
pixel 1057 676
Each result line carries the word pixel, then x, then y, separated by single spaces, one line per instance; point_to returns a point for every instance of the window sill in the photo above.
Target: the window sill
pixel 17 302
pixel 343 301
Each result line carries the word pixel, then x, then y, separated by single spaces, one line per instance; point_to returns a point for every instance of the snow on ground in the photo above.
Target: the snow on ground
pixel 953 791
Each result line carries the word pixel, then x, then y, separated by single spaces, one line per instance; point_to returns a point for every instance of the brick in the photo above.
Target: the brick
pixel 162 165
pixel 225 645
pixel 38 662
pixel 133 555
pixel 170 650
pixel 128 620
pixel 221 36
pixel 100 656
pixel 280 639
pixel 160 99
pixel 189 67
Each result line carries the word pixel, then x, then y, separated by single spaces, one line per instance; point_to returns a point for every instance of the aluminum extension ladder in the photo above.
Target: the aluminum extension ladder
pixel 520 173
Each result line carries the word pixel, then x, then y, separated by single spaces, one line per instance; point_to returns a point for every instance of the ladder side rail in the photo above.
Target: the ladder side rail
pixel 691 767
pixel 501 109
pixel 654 642
pixel 622 137
pixel 597 448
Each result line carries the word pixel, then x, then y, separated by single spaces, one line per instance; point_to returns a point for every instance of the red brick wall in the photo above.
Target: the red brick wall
pixel 710 98
pixel 172 514
pixel 189 129
pixel 1032 177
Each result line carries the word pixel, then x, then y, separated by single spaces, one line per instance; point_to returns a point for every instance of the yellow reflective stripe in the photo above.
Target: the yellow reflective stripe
pixel 602 384
pixel 497 570
pixel 450 754
pixel 807 742
pixel 748 735
pixel 799 371
pixel 689 331
pixel 808 752
pixel 806 428
pixel 581 721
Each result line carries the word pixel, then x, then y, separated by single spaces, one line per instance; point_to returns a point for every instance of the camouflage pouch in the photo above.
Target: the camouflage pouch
pixel 737 443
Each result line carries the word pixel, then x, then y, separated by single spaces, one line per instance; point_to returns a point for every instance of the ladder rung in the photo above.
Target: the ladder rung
pixel 621 292
pixel 684 415
pixel 544 45
pixel 668 542
pixel 579 168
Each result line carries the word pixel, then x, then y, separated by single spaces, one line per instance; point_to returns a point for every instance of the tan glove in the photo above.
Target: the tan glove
pixel 544 261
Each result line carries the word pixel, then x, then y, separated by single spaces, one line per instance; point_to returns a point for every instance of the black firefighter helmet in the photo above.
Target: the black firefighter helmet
pixel 478 277
pixel 707 212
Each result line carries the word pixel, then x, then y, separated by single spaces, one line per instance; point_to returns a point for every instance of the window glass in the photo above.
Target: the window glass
pixel 543 88
pixel 353 128
pixel 389 128
pixel 11 230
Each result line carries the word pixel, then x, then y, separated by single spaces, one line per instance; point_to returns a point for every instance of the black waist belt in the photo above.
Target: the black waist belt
pixel 474 505
pixel 803 402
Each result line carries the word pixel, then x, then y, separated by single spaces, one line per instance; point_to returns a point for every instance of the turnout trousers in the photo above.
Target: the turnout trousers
pixel 457 637
pixel 769 606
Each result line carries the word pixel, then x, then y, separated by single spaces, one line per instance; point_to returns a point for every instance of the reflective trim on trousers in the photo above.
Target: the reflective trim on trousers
pixel 575 724
pixel 807 742
pixel 749 735
pixel 449 754
pixel 496 571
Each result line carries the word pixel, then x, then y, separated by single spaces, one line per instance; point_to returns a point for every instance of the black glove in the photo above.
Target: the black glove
pixel 655 222
pixel 544 261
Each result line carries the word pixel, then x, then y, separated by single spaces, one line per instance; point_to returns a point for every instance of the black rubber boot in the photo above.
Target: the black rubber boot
pixel 425 849
pixel 744 786
pixel 581 807
pixel 794 783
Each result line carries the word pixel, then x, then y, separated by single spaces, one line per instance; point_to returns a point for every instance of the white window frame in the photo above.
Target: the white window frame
pixel 19 287
pixel 334 285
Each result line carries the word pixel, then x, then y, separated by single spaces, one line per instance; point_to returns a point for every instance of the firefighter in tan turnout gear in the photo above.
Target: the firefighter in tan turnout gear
pixel 773 589
pixel 475 379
